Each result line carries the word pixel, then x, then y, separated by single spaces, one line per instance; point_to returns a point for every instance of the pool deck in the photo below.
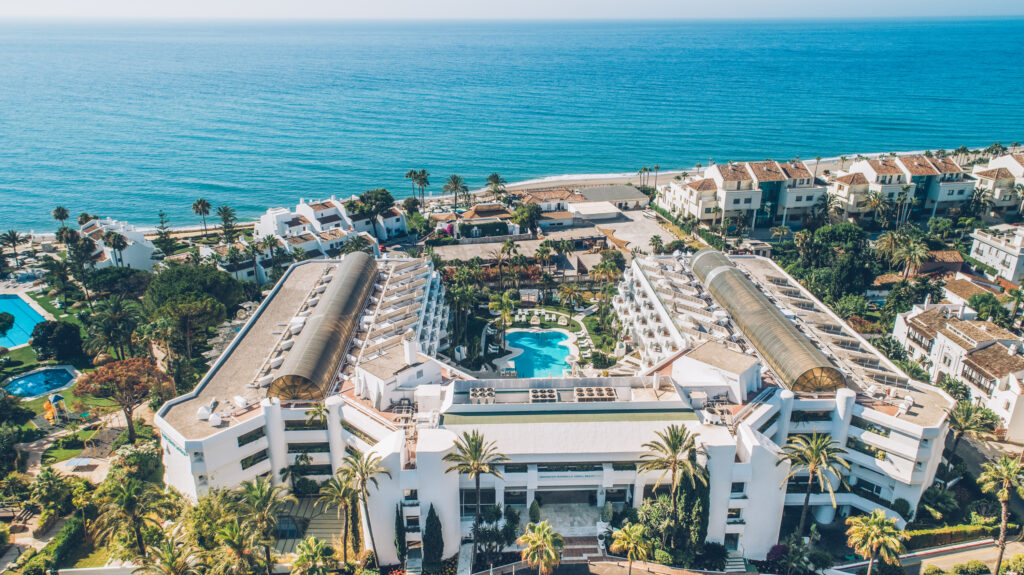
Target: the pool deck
pixel 21 293
pixel 572 358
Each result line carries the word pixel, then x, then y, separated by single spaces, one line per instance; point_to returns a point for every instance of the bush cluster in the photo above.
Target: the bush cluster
pixel 923 538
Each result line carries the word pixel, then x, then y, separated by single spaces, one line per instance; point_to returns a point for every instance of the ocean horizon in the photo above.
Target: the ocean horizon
pixel 123 119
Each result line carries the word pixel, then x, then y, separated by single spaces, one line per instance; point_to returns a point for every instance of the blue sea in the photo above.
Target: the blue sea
pixel 125 119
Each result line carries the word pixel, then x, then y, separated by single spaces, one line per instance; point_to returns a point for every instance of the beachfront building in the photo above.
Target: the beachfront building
pixel 138 252
pixel 939 183
pixel 621 196
pixel 1013 163
pixel 999 185
pixel 949 340
pixel 320 228
pixel 882 175
pixel 1001 247
pixel 359 335
pixel 694 197
pixel 556 200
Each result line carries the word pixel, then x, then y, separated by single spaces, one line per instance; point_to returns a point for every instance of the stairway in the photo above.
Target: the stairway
pixel 735 563
pixel 581 550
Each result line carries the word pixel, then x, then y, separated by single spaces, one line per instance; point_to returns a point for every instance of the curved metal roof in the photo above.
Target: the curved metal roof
pixel 792 356
pixel 320 349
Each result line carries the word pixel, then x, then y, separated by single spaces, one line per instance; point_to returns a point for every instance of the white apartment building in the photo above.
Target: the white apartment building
pixel 1000 185
pixel 320 227
pixel 1014 163
pixel 140 253
pixel 770 192
pixel 1001 247
pixel 883 175
pixel 361 335
pixel 949 340
pixel 939 182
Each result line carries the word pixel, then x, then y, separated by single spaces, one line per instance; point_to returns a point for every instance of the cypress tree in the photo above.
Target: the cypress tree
pixel 433 543
pixel 400 544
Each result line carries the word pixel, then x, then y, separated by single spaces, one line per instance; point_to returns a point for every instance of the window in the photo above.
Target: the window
pixel 868 426
pixel 303 425
pixel 746 200
pixel 419 374
pixel 249 437
pixel 197 456
pixel 261 455
pixel 771 421
pixel 623 466
pixel 515 498
pixel 735 513
pixel 800 415
pixel 412 523
pixel 322 447
pixel 707 210
pixel 738 487
pixel 412 495
pixel 358 432
pixel 569 467
pixel 798 198
pixel 467 498
pixel 736 201
pixel 515 468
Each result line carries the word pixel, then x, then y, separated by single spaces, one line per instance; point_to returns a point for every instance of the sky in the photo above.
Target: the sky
pixel 497 9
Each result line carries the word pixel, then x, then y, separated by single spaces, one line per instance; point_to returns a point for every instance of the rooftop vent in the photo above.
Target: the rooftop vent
pixel 481 395
pixel 543 396
pixel 593 394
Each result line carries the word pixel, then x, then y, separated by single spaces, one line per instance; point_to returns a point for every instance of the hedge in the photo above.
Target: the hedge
pixel 70 536
pixel 711 238
pixel 923 538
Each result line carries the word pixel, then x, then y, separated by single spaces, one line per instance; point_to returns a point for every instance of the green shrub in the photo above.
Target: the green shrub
pixel 902 506
pixel 35 566
pixel 70 536
pixel 922 538
pixel 662 556
pixel 974 567
pixel 933 570
pixel 1014 564
pixel 607 511
pixel 535 512
pixel 46 520
pixel 5 534
pixel 713 557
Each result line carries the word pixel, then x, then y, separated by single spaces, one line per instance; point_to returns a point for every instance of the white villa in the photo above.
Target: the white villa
pixel 738 353
pixel 138 254
pixel 320 227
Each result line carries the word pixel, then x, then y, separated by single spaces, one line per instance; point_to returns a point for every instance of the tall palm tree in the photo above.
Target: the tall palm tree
pixel 496 183
pixel 60 213
pixel 1001 478
pixel 656 244
pixel 820 457
pixel 422 181
pixel 873 536
pixel 318 414
pixel 234 257
pixel 201 208
pixel 570 295
pixel 112 325
pixel 314 558
pixel 630 541
pixel 504 305
pixel 966 418
pixel 780 232
pixel 117 243
pixel 455 186
pixel 474 456
pixel 173 556
pixel 411 176
pixel 261 503
pixel 912 254
pixel 337 492
pixel 12 239
pixel 886 246
pixel 362 471
pixel 131 506
pixel 1017 295
pixel 542 547
pixel 543 255
pixel 227 219
pixel 671 455
pixel 236 551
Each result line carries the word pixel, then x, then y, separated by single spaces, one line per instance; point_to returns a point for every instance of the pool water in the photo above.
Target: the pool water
pixel 25 318
pixel 40 382
pixel 545 353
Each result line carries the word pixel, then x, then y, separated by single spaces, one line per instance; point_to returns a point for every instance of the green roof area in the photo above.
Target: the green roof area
pixel 499 417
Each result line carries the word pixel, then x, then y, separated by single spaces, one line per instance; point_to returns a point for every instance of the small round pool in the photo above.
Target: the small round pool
pixel 545 353
pixel 40 382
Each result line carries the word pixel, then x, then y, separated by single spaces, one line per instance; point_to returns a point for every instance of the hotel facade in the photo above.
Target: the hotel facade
pixel 733 355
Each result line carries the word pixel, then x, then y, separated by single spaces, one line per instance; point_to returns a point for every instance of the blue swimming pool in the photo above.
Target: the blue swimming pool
pixel 545 353
pixel 40 382
pixel 25 318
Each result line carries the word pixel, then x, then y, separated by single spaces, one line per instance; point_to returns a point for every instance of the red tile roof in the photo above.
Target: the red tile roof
pixel 996 174
pixel 733 172
pixel 705 185
pixel 766 171
pixel 946 165
pixel 918 166
pixel 885 167
pixel 854 179
pixel 795 170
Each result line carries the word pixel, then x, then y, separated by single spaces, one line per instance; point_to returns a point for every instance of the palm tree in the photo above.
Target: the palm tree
pixel 236 553
pixel 542 547
pixel 422 181
pixel 542 255
pixel 261 503
pixel 314 558
pixel 912 254
pixel 1000 478
pixel 966 418
pixel 474 456
pixel 716 212
pixel 630 540
pixel 337 492
pixel 60 213
pixel 656 244
pixel 234 257
pixel 496 183
pixel 886 246
pixel 227 219
pixel 361 471
pixel 1017 295
pixel 201 208
pixel 671 455
pixel 605 271
pixel 877 204
pixel 455 186
pixel 117 243
pixel 411 176
pixel 504 305
pixel 112 325
pixel 780 232
pixel 819 456
pixel 131 506
pixel 570 296
pixel 12 238
pixel 173 556
pixel 317 414
pixel 873 536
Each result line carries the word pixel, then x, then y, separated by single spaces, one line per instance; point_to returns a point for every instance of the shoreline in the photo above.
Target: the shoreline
pixel 539 183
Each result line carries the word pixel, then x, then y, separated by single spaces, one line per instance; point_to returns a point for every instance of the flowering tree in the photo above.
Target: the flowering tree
pixel 127 383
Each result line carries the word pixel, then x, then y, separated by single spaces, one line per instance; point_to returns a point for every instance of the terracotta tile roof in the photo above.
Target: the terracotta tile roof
pixel 966 288
pixel 321 206
pixel 795 170
pixel 979 331
pixel 885 167
pixel 733 172
pixel 300 239
pixel 946 165
pixel 100 257
pixel 298 220
pixel 329 219
pixel 996 174
pixel 947 256
pixel 333 234
pixel 766 171
pixel 929 322
pixel 393 213
pixel 222 249
pixel 1019 158
pixel 705 185
pixel 445 217
pixel 886 280
pixel 995 361
pixel 561 215
pixel 854 179
pixel 918 166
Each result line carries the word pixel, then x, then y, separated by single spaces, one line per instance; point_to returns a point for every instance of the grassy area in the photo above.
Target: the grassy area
pixel 72 399
pixel 55 455
pixel 88 555
pixel 20 360
pixel 44 301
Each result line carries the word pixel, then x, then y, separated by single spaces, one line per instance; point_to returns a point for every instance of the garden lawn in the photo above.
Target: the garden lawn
pixel 55 455
pixel 90 403
pixel 21 360
pixel 44 301
pixel 88 555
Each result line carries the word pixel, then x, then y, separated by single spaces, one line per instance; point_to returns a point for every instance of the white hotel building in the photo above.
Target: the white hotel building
pixel 361 335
